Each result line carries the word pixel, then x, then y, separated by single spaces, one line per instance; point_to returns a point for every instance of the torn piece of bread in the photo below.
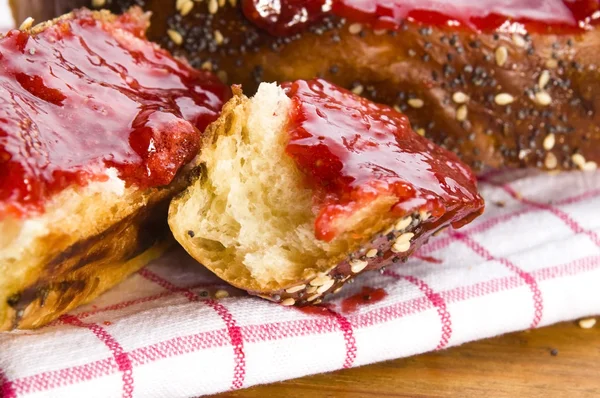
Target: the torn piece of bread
pixel 98 128
pixel 302 188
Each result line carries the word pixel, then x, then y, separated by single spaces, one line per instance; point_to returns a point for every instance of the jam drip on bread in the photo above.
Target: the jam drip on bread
pixel 87 94
pixel 287 17
pixel 353 151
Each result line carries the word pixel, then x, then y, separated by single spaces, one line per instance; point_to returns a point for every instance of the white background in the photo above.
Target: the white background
pixel 5 16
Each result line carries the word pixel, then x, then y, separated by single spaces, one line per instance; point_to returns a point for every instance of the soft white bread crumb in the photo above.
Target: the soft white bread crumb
pixel 244 212
pixel 249 217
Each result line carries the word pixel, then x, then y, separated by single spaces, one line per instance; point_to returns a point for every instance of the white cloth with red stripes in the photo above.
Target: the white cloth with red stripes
pixel 533 259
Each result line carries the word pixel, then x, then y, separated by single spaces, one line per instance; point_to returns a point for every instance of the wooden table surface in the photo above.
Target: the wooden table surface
pixel 520 364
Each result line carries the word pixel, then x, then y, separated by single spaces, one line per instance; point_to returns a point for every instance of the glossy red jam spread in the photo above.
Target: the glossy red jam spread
pixel 354 151
pixel 83 96
pixel 285 17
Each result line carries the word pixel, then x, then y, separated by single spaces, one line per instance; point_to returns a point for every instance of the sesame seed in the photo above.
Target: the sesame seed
pixel 98 3
pixel 213 6
pixel 326 286
pixel 587 323
pixel 233 2
pixel 590 166
pixel 320 280
pixel 461 113
pixel 222 3
pixel 355 28
pixel 218 37
pixel 402 243
pixel 551 64
pixel 311 289
pixel 220 294
pixel 288 301
pixel 179 4
pixel 578 160
pixel 543 98
pixel 421 132
pixel 186 8
pixel 550 161
pixel 549 142
pixel 206 65
pixel 397 108
pixel 32 51
pixel 358 265
pixel 337 290
pixel 416 103
pixel 222 75
pixel 501 55
pixel 424 215
pixel 175 36
pixel 406 237
pixel 295 289
pixel 358 89
pixel 519 40
pixel 313 297
pixel 379 32
pixel 27 24
pixel 459 97
pixel 544 79
pixel 503 99
pixel 403 224
pixel 401 247
pixel 372 253
pixel 523 153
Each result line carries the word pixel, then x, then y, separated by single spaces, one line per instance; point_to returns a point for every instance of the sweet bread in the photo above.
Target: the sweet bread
pixel 502 84
pixel 98 127
pixel 304 186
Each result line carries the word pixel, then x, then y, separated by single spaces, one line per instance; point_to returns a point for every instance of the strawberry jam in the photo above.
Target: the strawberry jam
pixel 286 17
pixel 83 96
pixel 354 151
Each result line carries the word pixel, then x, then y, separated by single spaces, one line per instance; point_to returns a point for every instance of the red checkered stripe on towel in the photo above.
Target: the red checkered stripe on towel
pixel 283 330
pixel 235 336
pixel 233 330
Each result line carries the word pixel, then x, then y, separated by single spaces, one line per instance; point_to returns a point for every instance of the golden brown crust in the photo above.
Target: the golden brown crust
pixel 42 10
pixel 29 307
pixel 431 65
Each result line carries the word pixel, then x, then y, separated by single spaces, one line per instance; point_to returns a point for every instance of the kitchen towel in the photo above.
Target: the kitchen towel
pixel 531 260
